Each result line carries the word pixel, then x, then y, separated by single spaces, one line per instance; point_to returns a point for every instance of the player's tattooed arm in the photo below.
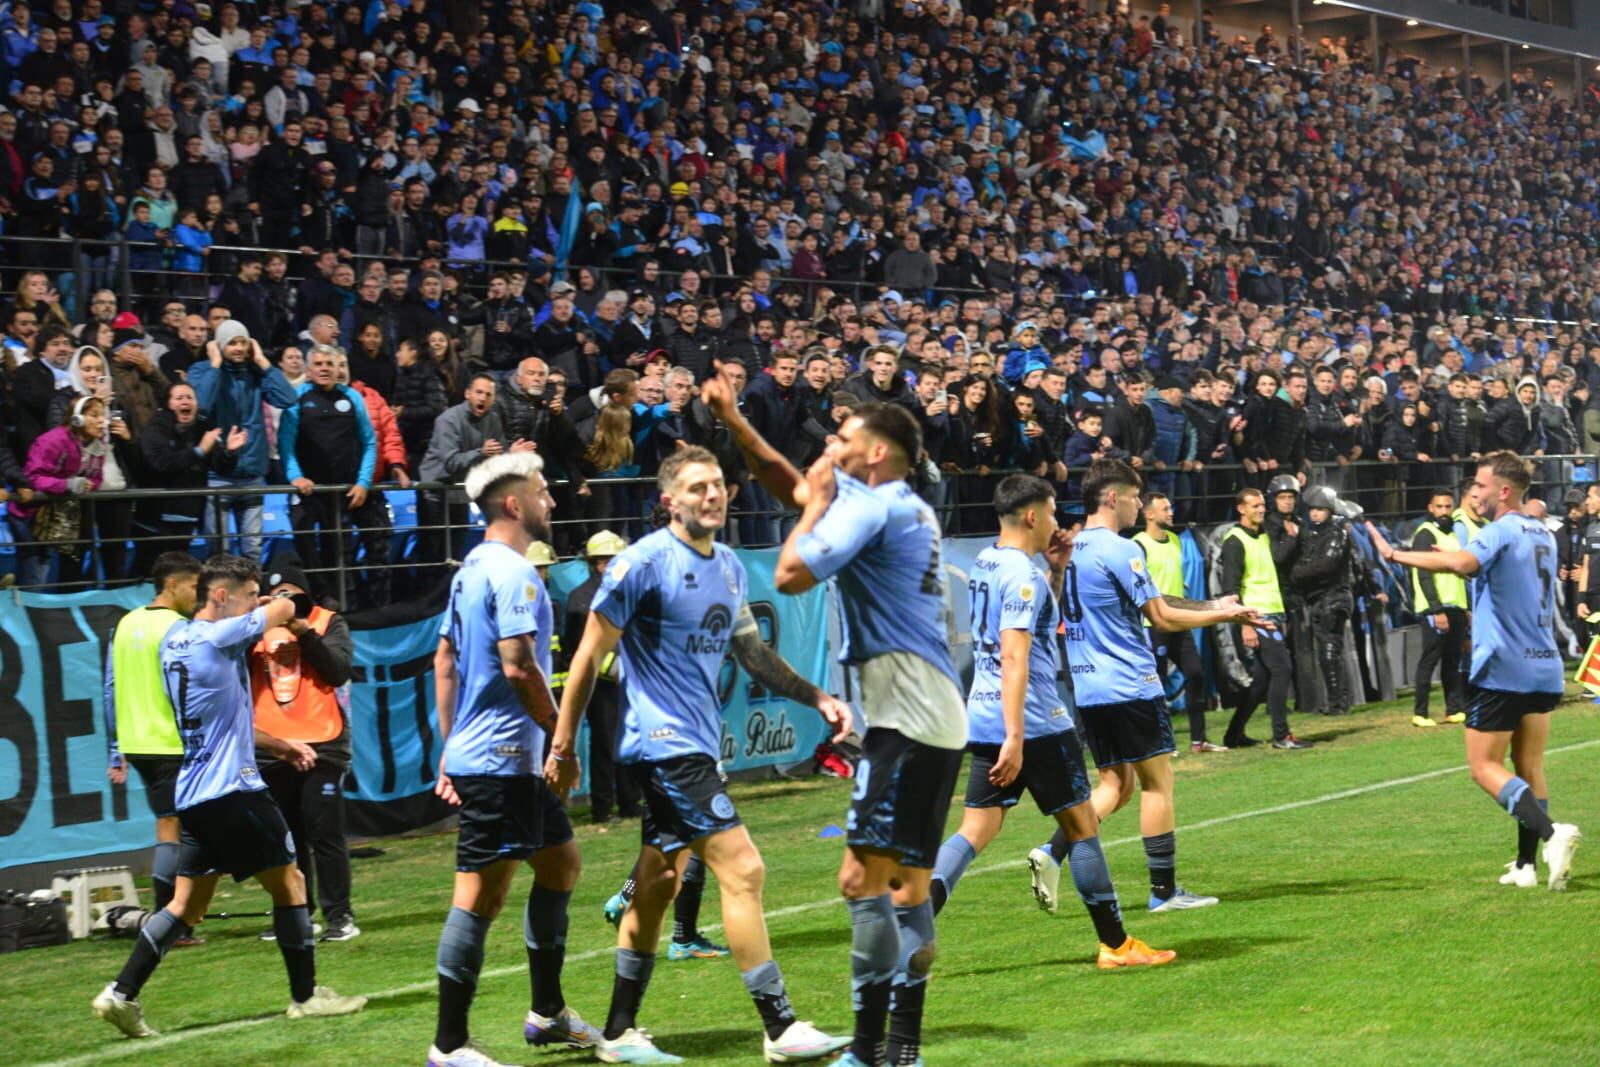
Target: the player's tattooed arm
pixel 1192 605
pixel 521 668
pixel 769 669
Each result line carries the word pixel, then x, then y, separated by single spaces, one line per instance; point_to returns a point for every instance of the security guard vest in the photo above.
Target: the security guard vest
pixel 1474 526
pixel 293 704
pixel 1259 587
pixel 146 725
pixel 1451 588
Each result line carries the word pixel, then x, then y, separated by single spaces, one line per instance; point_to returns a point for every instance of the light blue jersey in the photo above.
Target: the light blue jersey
pixel 496 595
pixel 678 611
pixel 883 544
pixel 1105 589
pixel 1009 592
pixel 1513 597
pixel 206 669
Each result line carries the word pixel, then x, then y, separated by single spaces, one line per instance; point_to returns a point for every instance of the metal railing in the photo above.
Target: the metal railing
pixel 430 527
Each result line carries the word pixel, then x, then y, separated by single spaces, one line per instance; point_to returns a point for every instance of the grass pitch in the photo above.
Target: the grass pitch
pixel 1360 923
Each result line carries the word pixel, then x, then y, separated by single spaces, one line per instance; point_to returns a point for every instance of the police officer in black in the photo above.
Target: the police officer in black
pixel 1570 554
pixel 1328 572
pixel 1588 576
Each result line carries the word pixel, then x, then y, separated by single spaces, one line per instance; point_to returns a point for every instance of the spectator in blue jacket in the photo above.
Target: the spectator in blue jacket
pixel 191 247
pixel 326 438
pixel 232 383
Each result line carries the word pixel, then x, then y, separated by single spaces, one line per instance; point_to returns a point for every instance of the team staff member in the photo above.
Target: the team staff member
pixel 1163 559
pixel 140 728
pixel 1516 677
pixel 1440 601
pixel 1250 573
pixel 298 673
pixel 229 822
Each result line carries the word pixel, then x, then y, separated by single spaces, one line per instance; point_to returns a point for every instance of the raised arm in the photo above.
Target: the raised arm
pixel 770 467
pixel 1174 614
pixel 1460 562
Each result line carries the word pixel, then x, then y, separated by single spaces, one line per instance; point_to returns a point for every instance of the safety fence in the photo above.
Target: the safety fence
pixel 417 533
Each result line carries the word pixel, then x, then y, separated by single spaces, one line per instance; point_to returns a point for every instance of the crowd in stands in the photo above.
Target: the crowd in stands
pixel 369 243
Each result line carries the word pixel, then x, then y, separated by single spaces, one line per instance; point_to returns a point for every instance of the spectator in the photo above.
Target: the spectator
pixel 246 298
pixel 1515 424
pixel 232 384
pixel 508 329
pixel 420 397
pixel 178 450
pixel 910 270
pixel 464 434
pixel 529 412
pixel 326 438
pixel 36 383
pixel 64 465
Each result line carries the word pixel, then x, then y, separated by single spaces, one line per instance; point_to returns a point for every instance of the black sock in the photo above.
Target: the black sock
pixel 627 990
pixel 544 931
pixel 1517 798
pixel 164 873
pixel 1058 846
pixel 1160 853
pixel 299 948
pixel 459 961
pixel 1528 840
pixel 905 1023
pixel 686 908
pixel 158 935
pixel 874 959
pixel 765 983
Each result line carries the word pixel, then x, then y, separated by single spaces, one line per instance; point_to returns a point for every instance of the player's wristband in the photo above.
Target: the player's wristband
pixel 559 758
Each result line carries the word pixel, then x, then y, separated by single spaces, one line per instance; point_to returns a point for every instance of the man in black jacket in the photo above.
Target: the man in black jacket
pixel 277 179
pixel 178 451
pixel 196 177
pixel 774 408
pixel 1130 424
pixel 1328 572
pixel 640 332
pixel 692 346
pixel 1330 428
pixel 246 299
pixel 612 793
pixel 508 330
pixel 561 343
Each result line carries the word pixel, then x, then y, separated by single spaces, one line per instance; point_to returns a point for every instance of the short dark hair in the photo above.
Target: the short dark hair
pixel 223 569
pixel 1154 495
pixel 1509 467
pixel 1442 491
pixel 1019 491
pixel 1090 412
pixel 483 375
pixel 1107 474
pixel 894 424
pixel 172 565
pixel 1245 494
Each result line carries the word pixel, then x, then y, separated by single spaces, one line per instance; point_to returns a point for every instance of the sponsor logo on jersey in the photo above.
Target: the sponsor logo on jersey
pixel 508 750
pixel 662 733
pixel 715 630
pixel 1136 564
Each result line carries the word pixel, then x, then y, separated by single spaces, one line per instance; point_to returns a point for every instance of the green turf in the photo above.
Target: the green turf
pixel 1364 929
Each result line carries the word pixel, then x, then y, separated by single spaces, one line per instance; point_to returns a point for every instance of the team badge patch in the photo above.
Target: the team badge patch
pixel 722 806
pixel 1026 593
pixel 1136 565
pixel 618 570
pixel 530 591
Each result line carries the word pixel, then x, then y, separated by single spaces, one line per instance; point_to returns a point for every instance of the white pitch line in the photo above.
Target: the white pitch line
pixel 131 1047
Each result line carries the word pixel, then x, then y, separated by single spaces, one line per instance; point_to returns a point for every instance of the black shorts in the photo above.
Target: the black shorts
pixel 160 777
pixel 902 796
pixel 241 834
pixel 684 800
pixel 1495 710
pixel 506 817
pixel 1052 773
pixel 1128 732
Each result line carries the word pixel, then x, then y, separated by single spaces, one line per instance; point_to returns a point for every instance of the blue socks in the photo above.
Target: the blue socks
pixel 918 947
pixel 164 872
pixel 1092 878
pixel 544 932
pixel 955 856
pixel 460 960
pixel 874 959
pixel 765 983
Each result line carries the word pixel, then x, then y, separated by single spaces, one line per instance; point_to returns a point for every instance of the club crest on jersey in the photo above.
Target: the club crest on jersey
pixel 1136 565
pixel 618 570
pixel 1025 591
pixel 722 806
pixel 530 591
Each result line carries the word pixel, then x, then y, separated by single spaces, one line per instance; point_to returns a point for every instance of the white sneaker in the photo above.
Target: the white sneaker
pixel 633 1045
pixel 1181 900
pixel 801 1041
pixel 1046 878
pixel 1558 854
pixel 1521 877
pixel 566 1028
pixel 468 1055
pixel 125 1015
pixel 325 1001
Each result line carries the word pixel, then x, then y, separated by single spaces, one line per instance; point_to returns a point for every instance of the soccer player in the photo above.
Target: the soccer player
pixel 861 522
pixel 491 682
pixel 1020 732
pixel 1515 679
pixel 1122 709
pixel 228 821
pixel 140 729
pixel 675 602
pixel 1163 560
